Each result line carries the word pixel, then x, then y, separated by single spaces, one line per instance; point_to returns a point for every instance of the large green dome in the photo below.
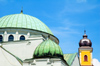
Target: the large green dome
pixel 23 21
pixel 48 48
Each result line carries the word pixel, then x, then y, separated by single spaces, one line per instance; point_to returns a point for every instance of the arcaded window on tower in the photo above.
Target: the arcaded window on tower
pixel 1 38
pixel 11 38
pixel 22 38
pixel 85 58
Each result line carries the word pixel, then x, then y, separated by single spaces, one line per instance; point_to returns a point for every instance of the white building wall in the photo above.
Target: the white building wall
pixel 76 62
pixel 63 64
pixel 16 36
pixel 22 49
pixel 7 60
pixel 46 62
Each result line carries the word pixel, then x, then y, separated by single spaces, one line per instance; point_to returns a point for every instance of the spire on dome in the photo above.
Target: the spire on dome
pixel 21 11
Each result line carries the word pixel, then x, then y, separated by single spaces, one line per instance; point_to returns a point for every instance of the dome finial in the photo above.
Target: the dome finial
pixel 22 10
pixel 84 31
pixel 84 36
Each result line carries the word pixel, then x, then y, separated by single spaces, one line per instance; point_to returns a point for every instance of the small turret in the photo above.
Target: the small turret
pixel 85 41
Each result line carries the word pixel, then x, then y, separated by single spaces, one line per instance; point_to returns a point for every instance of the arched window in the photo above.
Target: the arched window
pixel 1 38
pixel 85 58
pixel 11 38
pixel 22 38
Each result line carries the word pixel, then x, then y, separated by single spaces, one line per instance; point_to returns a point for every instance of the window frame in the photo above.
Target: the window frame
pixel 1 38
pixel 22 37
pixel 11 38
pixel 85 58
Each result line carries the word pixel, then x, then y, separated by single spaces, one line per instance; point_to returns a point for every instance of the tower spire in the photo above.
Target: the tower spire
pixel 84 36
pixel 84 31
pixel 85 51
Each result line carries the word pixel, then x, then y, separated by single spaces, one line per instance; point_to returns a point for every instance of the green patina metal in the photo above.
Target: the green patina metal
pixel 23 21
pixel 48 49
pixel 69 58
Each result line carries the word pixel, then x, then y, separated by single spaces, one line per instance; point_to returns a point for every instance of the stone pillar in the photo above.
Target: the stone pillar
pixel 5 36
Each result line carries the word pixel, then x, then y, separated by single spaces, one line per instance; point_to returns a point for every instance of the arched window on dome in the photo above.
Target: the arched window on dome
pixel 1 38
pixel 10 38
pixel 85 58
pixel 22 37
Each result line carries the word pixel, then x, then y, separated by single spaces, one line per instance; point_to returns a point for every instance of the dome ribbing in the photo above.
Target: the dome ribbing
pixel 48 49
pixel 23 21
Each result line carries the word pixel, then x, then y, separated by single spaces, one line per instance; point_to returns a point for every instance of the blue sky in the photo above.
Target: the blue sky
pixel 67 19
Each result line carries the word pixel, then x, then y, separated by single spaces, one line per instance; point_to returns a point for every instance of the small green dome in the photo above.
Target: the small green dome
pixel 48 48
pixel 23 21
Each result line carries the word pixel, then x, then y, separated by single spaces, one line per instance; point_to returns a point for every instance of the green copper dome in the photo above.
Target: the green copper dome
pixel 48 48
pixel 23 21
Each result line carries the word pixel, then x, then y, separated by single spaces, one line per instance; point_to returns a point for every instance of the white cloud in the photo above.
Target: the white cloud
pixel 77 6
pixel 67 28
pixel 96 62
pixel 64 31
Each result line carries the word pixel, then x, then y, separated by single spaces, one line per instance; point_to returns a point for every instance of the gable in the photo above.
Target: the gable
pixel 69 58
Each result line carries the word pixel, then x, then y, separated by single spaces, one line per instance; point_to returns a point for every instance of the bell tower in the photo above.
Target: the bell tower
pixel 85 51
